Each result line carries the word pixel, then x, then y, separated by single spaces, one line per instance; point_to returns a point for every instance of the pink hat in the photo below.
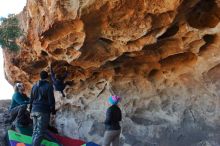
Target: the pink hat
pixel 114 99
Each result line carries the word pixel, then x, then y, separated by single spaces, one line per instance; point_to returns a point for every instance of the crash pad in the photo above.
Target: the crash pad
pixel 90 144
pixel 17 139
pixel 65 141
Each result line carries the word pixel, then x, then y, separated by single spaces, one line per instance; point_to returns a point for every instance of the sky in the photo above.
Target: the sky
pixel 8 7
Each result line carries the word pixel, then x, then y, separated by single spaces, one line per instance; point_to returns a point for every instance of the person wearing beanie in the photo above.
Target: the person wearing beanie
pixel 42 104
pixel 112 125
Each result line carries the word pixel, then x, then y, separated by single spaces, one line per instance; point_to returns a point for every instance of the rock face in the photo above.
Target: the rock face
pixel 161 56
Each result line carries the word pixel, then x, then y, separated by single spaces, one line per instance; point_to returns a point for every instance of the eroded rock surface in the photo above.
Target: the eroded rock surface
pixel 161 56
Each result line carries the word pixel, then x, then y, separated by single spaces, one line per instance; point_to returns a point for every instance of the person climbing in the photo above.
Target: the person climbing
pixel 18 104
pixel 42 104
pixel 58 81
pixel 112 125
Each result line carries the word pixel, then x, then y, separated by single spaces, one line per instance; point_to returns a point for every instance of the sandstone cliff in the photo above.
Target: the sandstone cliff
pixel 161 56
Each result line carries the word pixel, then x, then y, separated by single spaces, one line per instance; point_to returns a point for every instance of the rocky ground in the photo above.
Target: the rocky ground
pixel 4 104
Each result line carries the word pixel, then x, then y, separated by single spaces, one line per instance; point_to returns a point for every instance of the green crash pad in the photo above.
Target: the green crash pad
pixel 17 138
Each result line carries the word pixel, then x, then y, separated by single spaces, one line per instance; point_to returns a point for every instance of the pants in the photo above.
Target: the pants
pixel 111 137
pixel 40 124
pixel 17 113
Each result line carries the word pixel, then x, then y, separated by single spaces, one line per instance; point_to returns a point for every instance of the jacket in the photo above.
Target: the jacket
pixel 113 117
pixel 42 98
pixel 18 99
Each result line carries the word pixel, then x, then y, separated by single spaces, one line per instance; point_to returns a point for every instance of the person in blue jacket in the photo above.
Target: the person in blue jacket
pixel 18 104
pixel 58 81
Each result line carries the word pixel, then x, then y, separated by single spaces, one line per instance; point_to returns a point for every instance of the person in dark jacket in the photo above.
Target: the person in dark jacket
pixel 58 81
pixel 42 104
pixel 112 125
pixel 18 106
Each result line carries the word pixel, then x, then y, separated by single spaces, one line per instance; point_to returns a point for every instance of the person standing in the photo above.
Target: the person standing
pixel 112 125
pixel 42 104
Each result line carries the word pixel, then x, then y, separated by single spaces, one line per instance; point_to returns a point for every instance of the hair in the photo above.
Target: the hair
pixel 17 86
pixel 43 75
